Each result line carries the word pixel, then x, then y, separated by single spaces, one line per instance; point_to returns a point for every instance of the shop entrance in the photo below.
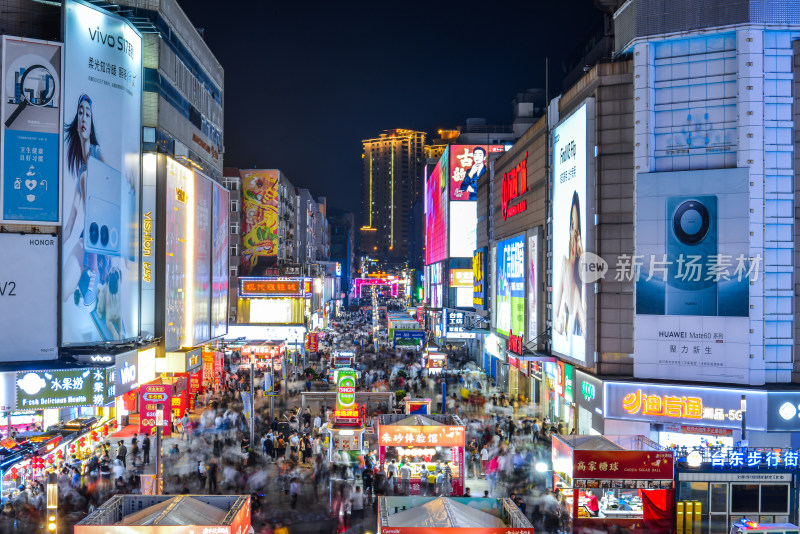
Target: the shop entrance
pixel 725 503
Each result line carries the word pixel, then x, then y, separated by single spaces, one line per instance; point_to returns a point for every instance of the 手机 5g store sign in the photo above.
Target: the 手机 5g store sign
pixel 716 407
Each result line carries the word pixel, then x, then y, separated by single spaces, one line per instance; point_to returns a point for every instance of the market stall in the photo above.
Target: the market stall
pixel 448 515
pixel 435 362
pixel 626 481
pixel 425 444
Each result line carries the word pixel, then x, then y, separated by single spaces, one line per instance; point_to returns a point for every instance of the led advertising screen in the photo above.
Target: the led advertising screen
pixel 534 262
pixel 101 171
pixel 31 120
pixel 201 273
pixel 180 181
pixel 463 228
pixel 27 281
pixel 468 165
pixel 569 236
pixel 510 309
pixel 692 286
pixel 479 279
pixel 260 223
pixel 436 212
pixel 219 262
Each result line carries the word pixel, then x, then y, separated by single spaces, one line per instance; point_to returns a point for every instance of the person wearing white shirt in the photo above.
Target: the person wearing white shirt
pixel 405 479
pixel 317 424
pixel 484 460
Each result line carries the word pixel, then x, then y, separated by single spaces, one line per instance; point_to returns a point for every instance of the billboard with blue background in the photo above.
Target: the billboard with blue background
pixel 511 286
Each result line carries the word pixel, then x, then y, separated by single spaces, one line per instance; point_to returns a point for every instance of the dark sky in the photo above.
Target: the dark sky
pixel 305 81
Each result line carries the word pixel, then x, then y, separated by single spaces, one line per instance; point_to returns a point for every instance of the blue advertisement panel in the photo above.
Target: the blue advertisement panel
pixel 408 338
pixel 30 112
pixel 511 286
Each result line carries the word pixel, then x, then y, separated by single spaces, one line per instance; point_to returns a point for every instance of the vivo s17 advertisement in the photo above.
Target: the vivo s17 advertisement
pixel 692 293
pixel 101 176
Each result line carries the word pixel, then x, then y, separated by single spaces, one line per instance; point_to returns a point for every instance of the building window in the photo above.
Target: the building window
pixel 234 227
pixel 234 270
pixel 234 206
pixel 234 250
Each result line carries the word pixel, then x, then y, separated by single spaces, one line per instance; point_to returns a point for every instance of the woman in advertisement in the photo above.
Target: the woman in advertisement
pixel 570 318
pixel 86 274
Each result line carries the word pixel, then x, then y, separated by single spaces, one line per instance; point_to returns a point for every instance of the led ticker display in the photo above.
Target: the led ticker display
pixel 362 282
pixel 265 287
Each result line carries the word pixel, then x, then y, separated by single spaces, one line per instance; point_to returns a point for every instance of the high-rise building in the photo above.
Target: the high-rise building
pixel 392 184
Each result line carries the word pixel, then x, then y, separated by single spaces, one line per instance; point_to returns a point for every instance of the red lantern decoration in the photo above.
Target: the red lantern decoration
pixel 72 448
pixel 93 435
pixel 14 472
pixel 50 458
pixel 60 454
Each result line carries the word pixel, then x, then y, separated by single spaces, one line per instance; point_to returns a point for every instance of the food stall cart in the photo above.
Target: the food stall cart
pixel 423 443
pixel 450 515
pixel 627 481
pixel 347 422
pixel 435 361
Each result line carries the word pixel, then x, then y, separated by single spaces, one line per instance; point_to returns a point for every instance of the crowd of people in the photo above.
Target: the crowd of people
pixel 287 471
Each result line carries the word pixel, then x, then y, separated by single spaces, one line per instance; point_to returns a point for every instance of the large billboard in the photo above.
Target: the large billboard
pixel 534 251
pixel 219 262
pixel 692 286
pixel 30 114
pixel 436 212
pixel 61 388
pixel 180 182
pixel 101 171
pixel 260 223
pixel 569 235
pixel 468 165
pixel 201 273
pixel 28 280
pixel 510 309
pixel 463 228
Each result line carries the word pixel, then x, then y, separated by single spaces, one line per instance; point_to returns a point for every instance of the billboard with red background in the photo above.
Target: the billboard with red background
pixel 436 211
pixel 623 465
pixel 468 164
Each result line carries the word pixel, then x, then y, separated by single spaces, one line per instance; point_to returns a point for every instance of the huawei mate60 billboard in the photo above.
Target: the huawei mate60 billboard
pixel 101 176
pixel 692 284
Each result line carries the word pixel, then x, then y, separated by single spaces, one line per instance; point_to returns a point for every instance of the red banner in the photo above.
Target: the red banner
pixel 451 530
pixel 208 367
pixel 706 430
pixel 219 363
pixel 421 436
pixel 623 465
pixel 313 342
pixel 150 396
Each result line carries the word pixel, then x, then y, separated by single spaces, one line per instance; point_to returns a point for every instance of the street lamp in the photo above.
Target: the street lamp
pixel 159 427
pixel 52 503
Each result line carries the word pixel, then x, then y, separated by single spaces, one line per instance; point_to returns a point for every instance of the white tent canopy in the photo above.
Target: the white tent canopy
pixel 444 512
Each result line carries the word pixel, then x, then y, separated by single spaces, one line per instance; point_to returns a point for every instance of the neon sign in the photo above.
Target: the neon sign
pixel 675 407
pixel 515 344
pixel 515 183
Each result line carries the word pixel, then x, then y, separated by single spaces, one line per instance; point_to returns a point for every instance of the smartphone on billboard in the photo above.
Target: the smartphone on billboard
pixel 130 218
pixel 692 242
pixel 102 233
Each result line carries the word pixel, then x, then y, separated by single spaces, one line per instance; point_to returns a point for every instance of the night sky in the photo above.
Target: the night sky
pixel 306 81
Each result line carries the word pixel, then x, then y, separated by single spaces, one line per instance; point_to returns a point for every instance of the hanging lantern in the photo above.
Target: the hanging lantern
pixel 93 435
pixel 60 454
pixel 105 431
pixel 72 448
pixel 50 458
pixel 14 472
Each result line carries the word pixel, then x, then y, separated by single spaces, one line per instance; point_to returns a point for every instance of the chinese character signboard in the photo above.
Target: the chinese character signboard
pixel 150 396
pixel 407 436
pixel 687 405
pixel 511 286
pixel 58 389
pixel 461 278
pixel 478 279
pixel 692 270
pixel 268 287
pixel 623 465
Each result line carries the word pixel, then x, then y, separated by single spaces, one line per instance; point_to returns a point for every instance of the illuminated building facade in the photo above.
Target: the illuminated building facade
pixel 391 186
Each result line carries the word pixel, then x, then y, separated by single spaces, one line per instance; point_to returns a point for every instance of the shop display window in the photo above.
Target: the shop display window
pixel 415 457
pixel 719 498
pixel 774 499
pixel 744 498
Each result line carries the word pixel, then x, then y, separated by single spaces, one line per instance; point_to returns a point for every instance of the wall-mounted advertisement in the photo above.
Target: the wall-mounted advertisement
pixel 468 165
pixel 463 228
pixel 510 286
pixel 219 262
pixel 570 206
pixel 31 120
pixel 436 212
pixel 533 269
pixel 149 230
pixel 180 184
pixel 479 279
pixel 27 281
pixel 260 223
pixel 101 171
pixel 201 272
pixel 692 288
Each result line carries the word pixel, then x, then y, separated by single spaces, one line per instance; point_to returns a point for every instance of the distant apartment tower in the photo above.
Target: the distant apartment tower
pixel 392 183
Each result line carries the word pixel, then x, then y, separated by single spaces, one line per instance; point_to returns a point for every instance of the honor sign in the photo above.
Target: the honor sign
pixel 346 388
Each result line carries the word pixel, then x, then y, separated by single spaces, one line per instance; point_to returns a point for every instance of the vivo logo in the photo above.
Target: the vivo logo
pixel 127 374
pixel 102 359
